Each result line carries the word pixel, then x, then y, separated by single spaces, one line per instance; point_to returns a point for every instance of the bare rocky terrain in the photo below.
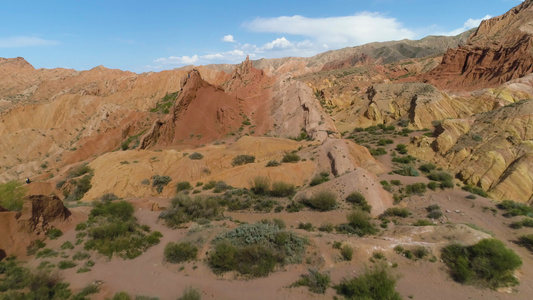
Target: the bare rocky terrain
pixel 204 152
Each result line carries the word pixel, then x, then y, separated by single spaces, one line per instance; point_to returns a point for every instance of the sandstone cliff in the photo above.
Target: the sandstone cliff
pixel 492 150
pixel 499 51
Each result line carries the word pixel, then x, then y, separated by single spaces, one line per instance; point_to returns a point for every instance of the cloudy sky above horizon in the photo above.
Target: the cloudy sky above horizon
pixel 155 35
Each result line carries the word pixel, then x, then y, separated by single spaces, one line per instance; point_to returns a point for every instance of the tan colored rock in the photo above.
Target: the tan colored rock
pixel 492 150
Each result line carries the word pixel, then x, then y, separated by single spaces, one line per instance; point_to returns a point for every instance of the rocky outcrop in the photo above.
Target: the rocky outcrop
pixel 202 112
pixel 296 110
pixel 492 150
pixel 500 50
pixel 39 211
pixel 342 156
pixel 418 103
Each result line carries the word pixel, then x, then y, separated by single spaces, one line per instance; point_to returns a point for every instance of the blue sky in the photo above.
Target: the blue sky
pixel 153 35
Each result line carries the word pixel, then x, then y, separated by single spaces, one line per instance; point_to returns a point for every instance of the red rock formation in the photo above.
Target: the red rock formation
pixel 500 50
pixel 202 112
pixel 38 211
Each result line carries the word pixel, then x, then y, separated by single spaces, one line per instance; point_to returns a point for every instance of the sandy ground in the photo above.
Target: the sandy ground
pixel 422 279
pixel 149 275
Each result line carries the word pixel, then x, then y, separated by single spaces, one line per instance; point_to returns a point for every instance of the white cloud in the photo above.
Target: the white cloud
pixel 228 39
pixel 233 56
pixel 469 24
pixel 336 32
pixel 24 41
pixel 178 60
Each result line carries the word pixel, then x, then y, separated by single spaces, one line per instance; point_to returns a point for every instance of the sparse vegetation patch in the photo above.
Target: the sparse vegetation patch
pixel 112 230
pixel 374 283
pixel 11 195
pixel 255 250
pixel 487 263
pixel 184 209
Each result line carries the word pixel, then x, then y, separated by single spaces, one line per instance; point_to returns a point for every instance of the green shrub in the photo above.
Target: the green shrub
pixel 423 222
pixel 432 207
pixel 12 195
pixel 336 245
pixel 358 201
pixel 319 178
pixel 290 158
pixel 183 186
pixel 294 206
pixel 121 296
pixel 282 189
pixel 378 151
pixel 35 246
pixel 488 263
pixel 196 156
pixel 347 252
pixel 526 241
pixel 435 214
pixel 255 250
pixel 359 222
pixel 433 185
pixel 190 294
pixel 415 188
pixel 321 201
pixel 399 249
pixel 159 182
pixel 54 233
pixel 407 171
pixel 80 255
pixel 374 283
pixel 420 252
pixel 426 168
pixel 317 282
pixel 327 227
pixel 440 176
pixel 260 185
pixel 183 209
pixel 66 264
pixel 446 184
pixel 403 160
pixel 475 190
pixel 46 252
pixel 242 160
pixel 306 226
pixel 181 252
pixel 527 222
pixel 383 142
pixel 220 187
pixel 397 212
pixel 211 184
pixel 18 282
pixel 396 182
pixel 79 171
pixel 265 205
pixel 87 290
pixel 401 148
pixel 515 209
pixel 108 197
pixel 112 229
pixel 272 163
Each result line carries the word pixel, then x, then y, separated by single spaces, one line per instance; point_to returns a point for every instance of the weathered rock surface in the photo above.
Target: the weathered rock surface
pixel 499 51
pixel 39 211
pixel 492 150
